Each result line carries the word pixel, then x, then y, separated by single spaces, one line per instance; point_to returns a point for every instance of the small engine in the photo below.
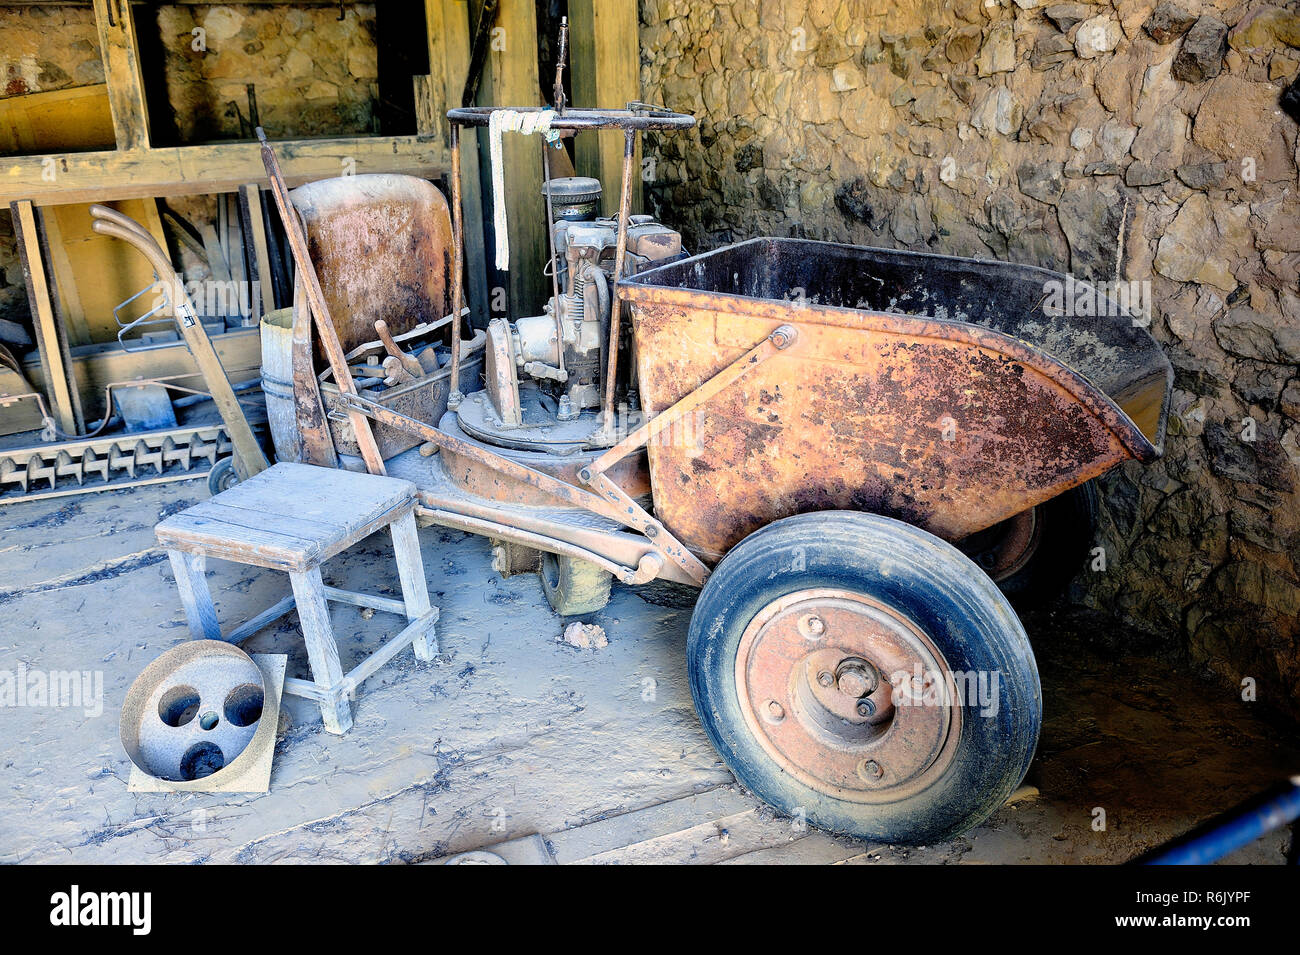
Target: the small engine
pixel 552 364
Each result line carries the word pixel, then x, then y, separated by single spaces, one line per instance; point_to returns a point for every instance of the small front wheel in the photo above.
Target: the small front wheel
pixel 573 586
pixel 222 477
pixel 1033 556
pixel 866 675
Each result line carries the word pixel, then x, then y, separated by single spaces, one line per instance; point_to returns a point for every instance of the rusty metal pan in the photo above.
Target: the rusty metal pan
pixel 952 418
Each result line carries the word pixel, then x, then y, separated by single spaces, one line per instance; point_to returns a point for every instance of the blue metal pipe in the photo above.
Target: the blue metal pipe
pixel 1233 829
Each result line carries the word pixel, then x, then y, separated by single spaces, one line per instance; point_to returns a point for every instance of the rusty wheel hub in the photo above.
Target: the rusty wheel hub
pixel 847 695
pixel 1016 541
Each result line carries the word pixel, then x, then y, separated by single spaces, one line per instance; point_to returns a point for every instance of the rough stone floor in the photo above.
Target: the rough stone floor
pixel 512 734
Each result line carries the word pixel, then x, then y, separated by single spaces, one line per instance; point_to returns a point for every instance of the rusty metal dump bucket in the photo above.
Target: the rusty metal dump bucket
pixel 933 389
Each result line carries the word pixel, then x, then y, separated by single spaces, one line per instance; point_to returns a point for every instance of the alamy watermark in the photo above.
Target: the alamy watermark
pixel 211 298
pixel 1075 298
pixel 64 689
pixel 976 689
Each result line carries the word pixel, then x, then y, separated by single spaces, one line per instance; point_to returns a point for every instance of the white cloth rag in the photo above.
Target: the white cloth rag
pixel 501 121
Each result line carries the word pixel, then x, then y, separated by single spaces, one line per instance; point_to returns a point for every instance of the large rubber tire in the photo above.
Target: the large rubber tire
pixel 944 595
pixel 573 586
pixel 1065 531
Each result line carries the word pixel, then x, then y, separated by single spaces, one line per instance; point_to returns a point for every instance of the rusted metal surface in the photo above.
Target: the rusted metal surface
pixel 637 517
pixel 320 311
pixel 946 424
pixel 562 491
pixel 847 695
pixel 609 501
pixel 382 247
pixel 1005 548
pixel 780 339
pixel 631 472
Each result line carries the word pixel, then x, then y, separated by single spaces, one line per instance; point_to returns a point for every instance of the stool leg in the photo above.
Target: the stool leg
pixel 322 651
pixel 196 598
pixel 415 589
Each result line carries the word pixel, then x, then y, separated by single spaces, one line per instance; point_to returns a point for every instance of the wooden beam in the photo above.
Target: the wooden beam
pixel 221 167
pixel 250 197
pixel 606 73
pixel 510 78
pixel 121 56
pixel 447 26
pixel 56 362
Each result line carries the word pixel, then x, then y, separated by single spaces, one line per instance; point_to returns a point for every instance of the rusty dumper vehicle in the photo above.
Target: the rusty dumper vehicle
pixel 841 447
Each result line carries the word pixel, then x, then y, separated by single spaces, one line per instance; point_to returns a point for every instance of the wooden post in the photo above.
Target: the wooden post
pixel 122 73
pixel 56 361
pixel 192 583
pixel 510 78
pixel 447 26
pixel 415 589
pixel 322 651
pixel 605 73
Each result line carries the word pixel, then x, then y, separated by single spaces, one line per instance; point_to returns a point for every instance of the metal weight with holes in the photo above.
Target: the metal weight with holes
pixel 195 712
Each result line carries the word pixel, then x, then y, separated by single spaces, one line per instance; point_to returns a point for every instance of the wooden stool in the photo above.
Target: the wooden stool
pixel 293 517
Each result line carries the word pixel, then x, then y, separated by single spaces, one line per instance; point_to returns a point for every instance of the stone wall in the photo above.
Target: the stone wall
pixel 1051 134
pixel 314 74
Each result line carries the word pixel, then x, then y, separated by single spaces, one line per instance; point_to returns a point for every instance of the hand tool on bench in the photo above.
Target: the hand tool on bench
pixel 409 362
pixel 396 373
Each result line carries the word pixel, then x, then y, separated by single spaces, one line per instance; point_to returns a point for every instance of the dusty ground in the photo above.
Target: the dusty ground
pixel 513 733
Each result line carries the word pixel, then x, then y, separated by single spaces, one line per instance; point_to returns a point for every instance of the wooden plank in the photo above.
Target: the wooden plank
pixel 56 120
pixel 121 55
pixel 296 235
pixel 255 624
pixel 56 362
pixel 219 167
pixel 416 633
pixel 447 27
pixel 510 78
pixel 259 255
pixel 289 516
pixel 373 601
pixel 605 73
pixel 232 240
pixel 215 253
pixel 63 284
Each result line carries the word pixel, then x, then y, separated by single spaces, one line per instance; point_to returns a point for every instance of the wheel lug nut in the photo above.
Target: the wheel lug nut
pixel 870 770
pixel 775 711
pixel 866 708
pixel 812 627
pixel 825 678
